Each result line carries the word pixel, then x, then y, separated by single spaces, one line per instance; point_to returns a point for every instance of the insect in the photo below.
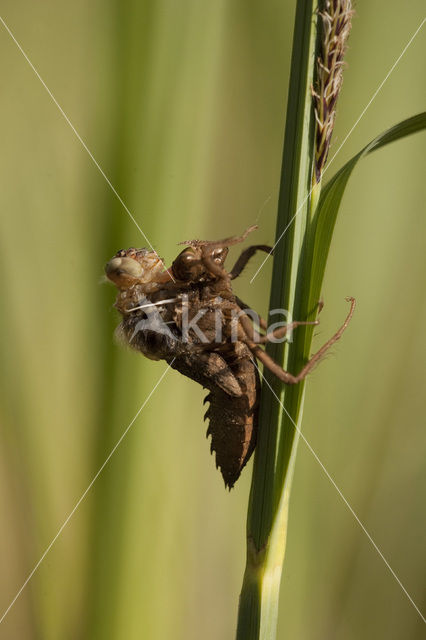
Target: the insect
pixel 189 316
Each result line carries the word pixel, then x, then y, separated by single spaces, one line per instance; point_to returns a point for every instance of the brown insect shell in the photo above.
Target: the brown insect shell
pixel 189 265
pixel 131 297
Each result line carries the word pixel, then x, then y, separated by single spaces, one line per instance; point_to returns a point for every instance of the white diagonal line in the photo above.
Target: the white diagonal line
pixel 344 499
pixel 343 141
pixel 79 138
pixel 151 304
pixel 84 494
pixel 77 135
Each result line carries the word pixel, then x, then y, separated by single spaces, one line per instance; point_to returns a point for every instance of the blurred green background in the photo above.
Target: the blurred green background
pixel 182 104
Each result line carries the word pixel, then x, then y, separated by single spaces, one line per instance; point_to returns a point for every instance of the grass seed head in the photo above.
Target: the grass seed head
pixel 335 24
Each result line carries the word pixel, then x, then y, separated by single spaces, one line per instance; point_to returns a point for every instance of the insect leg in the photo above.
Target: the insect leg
pixel 262 323
pixel 260 338
pixel 281 332
pixel 214 268
pixel 216 244
pixel 289 378
pixel 277 333
pixel 248 331
pixel 245 257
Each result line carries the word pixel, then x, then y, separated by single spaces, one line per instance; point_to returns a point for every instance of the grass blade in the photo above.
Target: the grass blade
pixel 331 197
pixel 299 266
pixel 276 448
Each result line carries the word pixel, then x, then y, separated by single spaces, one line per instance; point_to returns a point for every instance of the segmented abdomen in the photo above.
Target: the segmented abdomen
pixel 233 423
pixel 233 413
pixel 231 377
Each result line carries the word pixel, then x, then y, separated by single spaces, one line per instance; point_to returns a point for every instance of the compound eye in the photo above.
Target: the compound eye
pixel 186 265
pixel 187 256
pixel 121 270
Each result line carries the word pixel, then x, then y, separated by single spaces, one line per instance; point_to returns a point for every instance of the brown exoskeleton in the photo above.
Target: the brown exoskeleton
pixel 189 316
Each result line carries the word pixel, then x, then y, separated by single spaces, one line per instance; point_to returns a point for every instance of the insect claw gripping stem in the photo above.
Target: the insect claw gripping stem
pixel 282 331
pixel 289 378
